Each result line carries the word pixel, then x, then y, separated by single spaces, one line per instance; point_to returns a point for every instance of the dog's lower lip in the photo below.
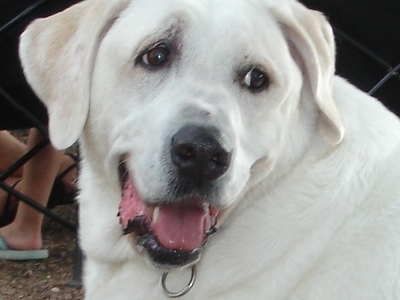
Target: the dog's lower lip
pixel 139 225
pixel 167 258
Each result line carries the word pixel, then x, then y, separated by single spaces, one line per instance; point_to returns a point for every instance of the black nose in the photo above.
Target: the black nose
pixel 198 154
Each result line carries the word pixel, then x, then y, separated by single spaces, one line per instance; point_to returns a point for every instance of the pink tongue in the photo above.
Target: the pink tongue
pixel 178 226
pixel 182 226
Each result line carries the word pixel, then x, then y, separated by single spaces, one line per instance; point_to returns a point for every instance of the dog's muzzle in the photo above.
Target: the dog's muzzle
pixel 174 230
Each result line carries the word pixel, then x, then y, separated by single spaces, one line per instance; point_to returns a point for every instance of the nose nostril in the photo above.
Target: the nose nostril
pixel 221 158
pixel 185 152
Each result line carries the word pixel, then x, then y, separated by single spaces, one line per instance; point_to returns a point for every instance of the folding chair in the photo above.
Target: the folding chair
pixel 19 107
pixel 368 44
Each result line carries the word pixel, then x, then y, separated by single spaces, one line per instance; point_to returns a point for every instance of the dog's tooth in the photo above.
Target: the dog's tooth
pixel 156 213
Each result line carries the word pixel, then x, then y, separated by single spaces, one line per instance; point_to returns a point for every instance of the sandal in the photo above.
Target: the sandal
pixel 58 196
pixel 9 213
pixel 11 254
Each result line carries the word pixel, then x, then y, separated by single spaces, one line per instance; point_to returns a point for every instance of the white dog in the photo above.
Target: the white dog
pixel 222 159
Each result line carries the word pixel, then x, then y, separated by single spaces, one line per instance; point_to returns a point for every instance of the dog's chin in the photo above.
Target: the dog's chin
pixel 172 234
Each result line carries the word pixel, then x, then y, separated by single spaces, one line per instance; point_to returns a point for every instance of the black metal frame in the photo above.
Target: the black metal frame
pixel 77 270
pixel 391 71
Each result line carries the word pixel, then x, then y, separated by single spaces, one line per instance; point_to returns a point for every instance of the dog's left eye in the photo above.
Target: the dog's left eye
pixel 156 56
pixel 255 80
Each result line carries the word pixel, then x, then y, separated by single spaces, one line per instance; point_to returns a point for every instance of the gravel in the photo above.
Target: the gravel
pixel 45 279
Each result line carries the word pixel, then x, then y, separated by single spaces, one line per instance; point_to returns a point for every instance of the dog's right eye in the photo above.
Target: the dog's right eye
pixel 255 80
pixel 156 56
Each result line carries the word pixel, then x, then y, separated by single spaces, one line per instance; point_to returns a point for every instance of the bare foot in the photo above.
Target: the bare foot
pixel 21 237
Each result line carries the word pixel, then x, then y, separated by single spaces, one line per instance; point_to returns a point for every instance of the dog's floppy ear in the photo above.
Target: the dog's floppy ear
pixel 311 36
pixel 57 55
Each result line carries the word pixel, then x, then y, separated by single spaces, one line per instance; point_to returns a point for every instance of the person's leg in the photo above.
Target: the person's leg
pixel 37 180
pixel 11 149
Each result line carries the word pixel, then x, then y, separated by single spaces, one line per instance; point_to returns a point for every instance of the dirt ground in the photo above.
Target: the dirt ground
pixel 45 279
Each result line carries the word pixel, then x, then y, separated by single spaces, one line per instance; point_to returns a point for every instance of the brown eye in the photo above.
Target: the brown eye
pixel 156 56
pixel 255 80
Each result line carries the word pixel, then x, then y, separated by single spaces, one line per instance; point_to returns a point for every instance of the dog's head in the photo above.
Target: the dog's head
pixel 191 102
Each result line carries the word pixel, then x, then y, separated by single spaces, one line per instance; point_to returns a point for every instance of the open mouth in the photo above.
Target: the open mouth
pixel 173 234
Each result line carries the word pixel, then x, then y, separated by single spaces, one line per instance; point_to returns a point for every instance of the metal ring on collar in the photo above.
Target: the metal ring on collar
pixel 184 291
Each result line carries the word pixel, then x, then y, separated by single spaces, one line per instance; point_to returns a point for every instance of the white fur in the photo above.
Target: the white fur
pixel 312 193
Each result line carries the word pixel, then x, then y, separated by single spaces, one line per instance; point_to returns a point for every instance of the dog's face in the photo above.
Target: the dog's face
pixel 191 104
